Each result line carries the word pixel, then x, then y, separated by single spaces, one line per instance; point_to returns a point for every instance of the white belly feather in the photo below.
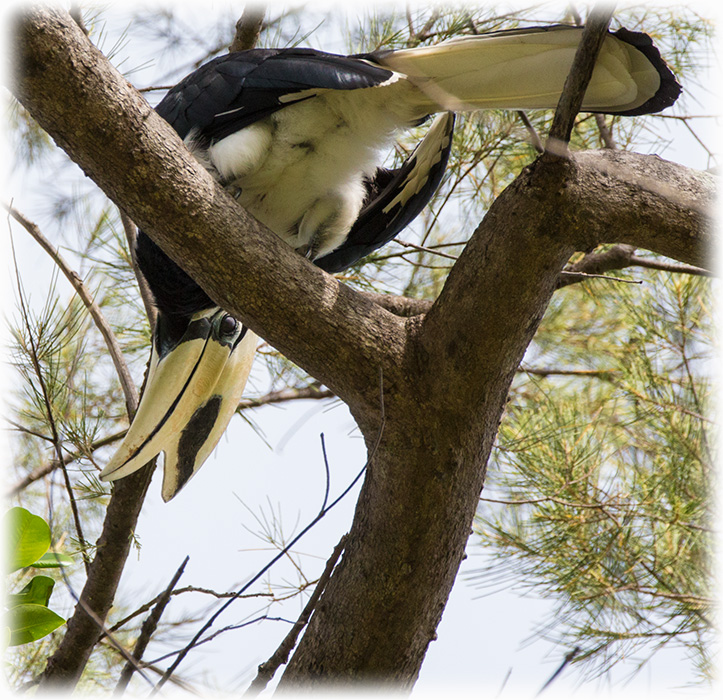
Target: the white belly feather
pixel 300 171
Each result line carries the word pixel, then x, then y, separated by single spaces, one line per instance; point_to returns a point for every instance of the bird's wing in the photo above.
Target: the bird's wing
pixel 236 90
pixel 396 197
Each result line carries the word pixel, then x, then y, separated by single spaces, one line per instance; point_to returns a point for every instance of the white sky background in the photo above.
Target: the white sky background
pixel 480 639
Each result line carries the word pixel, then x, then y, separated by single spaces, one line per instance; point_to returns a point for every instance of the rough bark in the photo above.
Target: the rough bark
pixel 445 373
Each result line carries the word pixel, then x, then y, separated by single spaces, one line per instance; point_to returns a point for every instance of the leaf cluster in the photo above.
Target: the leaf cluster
pixel 29 617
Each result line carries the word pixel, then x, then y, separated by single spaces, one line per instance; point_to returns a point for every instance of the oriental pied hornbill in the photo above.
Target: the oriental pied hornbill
pixel 295 135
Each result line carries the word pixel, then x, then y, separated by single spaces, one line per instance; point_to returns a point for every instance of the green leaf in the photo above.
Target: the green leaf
pixel 37 592
pixel 29 623
pixel 28 537
pixel 53 560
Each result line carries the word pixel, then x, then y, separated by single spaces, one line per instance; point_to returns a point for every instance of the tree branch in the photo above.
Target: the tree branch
pixel 248 27
pixel 618 257
pixel 267 669
pixel 577 80
pixel 147 630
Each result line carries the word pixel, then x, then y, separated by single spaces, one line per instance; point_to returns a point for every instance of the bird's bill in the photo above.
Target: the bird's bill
pixel 190 396
pixel 202 432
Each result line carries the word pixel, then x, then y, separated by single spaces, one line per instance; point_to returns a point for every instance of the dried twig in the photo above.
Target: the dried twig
pixel 147 630
pixel 208 591
pixel 267 669
pixel 248 27
pixel 577 80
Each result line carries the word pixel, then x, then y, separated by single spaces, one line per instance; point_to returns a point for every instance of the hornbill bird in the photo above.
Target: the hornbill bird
pixel 295 135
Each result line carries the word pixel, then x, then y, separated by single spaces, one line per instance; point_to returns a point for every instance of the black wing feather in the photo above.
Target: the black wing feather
pixel 234 91
pixel 380 219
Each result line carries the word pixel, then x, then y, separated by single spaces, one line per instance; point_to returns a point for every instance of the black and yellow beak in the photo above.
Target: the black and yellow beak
pixel 191 393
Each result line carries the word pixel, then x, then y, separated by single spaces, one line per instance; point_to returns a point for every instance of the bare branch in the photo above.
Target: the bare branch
pixel 606 134
pixel 618 257
pixel 577 80
pixel 248 27
pixel 553 372
pixel 535 139
pixel 284 395
pixel 208 591
pixel 69 457
pixel 147 630
pixel 281 655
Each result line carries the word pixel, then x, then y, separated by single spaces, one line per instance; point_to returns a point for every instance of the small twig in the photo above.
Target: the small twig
pixel 578 276
pixel 617 257
pixel 129 387
pixel 535 139
pixel 410 21
pixel 606 134
pixel 248 27
pixel 565 662
pixel 327 473
pixel 223 630
pixel 53 464
pixel 578 79
pixel 147 630
pixel 207 591
pixel 682 268
pixel 426 250
pixel 606 374
pixel 267 669
pixel 283 395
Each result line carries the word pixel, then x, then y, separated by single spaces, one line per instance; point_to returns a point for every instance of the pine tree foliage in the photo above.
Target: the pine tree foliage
pixel 602 479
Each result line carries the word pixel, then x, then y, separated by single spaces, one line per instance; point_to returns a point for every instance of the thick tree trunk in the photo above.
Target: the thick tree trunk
pixel 445 374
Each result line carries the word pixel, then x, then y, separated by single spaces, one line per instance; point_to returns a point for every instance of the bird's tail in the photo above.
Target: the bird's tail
pixel 526 69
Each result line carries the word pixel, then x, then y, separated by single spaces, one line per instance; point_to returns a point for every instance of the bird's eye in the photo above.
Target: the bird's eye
pixel 228 325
